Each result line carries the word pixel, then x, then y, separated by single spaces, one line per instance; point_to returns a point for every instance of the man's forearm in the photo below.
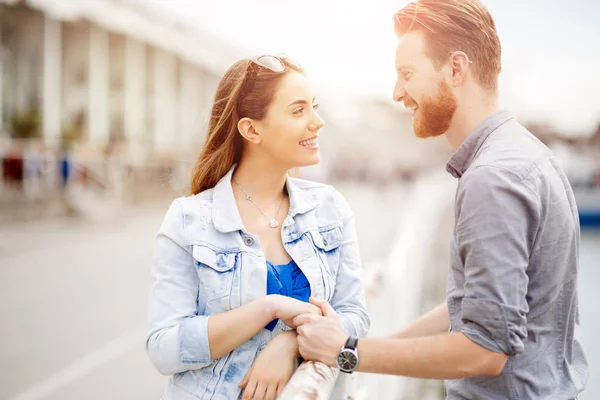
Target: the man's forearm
pixel 445 356
pixel 434 322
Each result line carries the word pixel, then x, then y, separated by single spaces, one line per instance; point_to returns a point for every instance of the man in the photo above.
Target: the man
pixel 509 326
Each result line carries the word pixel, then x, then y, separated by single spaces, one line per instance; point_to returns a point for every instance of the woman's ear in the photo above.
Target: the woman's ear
pixel 246 126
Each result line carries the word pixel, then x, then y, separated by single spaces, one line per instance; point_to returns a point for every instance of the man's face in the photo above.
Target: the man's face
pixel 423 89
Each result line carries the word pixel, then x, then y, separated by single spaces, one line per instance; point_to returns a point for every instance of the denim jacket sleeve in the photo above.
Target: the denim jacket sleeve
pixel 348 299
pixel 177 338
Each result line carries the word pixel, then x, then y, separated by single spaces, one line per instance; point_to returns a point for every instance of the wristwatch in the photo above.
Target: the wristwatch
pixel 347 360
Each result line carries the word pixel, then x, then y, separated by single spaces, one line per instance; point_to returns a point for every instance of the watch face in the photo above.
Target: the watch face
pixel 347 360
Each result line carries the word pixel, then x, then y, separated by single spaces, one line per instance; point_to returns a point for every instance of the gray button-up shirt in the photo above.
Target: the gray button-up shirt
pixel 512 284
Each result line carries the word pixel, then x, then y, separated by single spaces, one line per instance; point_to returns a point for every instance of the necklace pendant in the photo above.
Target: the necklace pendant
pixel 273 223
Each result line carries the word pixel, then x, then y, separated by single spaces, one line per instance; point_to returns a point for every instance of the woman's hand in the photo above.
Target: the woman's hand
pixel 287 308
pixel 272 369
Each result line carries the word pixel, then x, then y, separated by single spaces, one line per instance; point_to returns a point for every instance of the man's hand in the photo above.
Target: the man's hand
pixel 320 338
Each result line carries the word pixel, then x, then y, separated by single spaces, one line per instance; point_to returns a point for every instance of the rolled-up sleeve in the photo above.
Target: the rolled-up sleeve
pixel 348 299
pixel 177 338
pixel 497 216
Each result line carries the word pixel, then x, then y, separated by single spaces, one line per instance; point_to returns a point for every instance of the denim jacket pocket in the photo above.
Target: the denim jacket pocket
pixel 215 271
pixel 327 242
pixel 176 392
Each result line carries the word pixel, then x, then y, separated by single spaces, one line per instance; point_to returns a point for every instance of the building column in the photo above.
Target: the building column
pixel 1 82
pixel 134 92
pixel 190 104
pixel 52 82
pixel 166 135
pixel 98 95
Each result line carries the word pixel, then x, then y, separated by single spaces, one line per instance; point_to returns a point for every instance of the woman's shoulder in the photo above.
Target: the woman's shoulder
pixel 203 198
pixel 188 215
pixel 326 195
pixel 197 204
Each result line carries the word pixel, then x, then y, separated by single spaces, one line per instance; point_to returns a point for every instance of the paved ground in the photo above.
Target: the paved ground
pixel 73 300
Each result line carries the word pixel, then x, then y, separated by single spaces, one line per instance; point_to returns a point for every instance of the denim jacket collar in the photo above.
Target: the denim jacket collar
pixel 226 216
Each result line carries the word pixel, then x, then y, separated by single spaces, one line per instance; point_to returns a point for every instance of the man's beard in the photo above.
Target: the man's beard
pixel 434 115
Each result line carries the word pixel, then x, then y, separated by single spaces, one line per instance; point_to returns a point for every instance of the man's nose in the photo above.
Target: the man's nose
pixel 399 93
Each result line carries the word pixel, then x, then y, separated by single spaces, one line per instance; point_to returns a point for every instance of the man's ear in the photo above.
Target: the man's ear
pixel 460 64
pixel 247 126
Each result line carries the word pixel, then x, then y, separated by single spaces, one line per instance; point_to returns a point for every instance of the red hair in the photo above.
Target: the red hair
pixel 453 25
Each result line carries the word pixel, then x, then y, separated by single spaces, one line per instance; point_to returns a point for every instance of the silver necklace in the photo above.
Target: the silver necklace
pixel 272 221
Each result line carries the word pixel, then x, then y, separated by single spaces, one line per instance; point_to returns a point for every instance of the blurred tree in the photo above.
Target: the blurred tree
pixel 26 125
pixel 73 132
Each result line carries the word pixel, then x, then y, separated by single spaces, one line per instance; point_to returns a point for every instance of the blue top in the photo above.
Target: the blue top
pixel 286 280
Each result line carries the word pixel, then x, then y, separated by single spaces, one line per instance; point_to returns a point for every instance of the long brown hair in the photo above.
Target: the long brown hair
pixel 246 90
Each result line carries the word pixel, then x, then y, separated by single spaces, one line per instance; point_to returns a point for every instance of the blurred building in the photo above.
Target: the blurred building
pixel 111 99
pixel 373 140
pixel 105 72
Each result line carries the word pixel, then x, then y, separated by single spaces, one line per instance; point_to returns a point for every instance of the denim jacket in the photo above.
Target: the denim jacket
pixel 206 263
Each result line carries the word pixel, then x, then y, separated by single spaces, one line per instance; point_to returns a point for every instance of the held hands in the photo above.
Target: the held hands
pixel 320 338
pixel 287 308
pixel 272 369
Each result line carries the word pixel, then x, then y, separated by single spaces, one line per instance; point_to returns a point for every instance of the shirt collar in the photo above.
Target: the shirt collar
pixel 464 155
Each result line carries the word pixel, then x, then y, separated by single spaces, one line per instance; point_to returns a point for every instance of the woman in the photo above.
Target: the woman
pixel 238 260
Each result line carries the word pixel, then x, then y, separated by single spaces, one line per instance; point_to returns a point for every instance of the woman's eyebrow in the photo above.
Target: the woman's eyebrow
pixel 300 101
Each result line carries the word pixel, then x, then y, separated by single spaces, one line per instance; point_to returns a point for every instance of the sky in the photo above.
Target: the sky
pixel 550 48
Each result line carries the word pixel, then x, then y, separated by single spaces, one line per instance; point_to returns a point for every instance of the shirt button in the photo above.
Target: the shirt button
pixel 324 242
pixel 249 241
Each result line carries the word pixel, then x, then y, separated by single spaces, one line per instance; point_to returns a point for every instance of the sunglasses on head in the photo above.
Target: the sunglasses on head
pixel 275 63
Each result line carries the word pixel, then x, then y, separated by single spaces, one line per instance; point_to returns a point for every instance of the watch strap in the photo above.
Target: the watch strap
pixel 351 343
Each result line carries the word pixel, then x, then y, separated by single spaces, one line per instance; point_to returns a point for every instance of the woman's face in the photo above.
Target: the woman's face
pixel 289 133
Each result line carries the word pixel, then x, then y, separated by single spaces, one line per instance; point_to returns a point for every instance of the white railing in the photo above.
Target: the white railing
pixel 311 381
